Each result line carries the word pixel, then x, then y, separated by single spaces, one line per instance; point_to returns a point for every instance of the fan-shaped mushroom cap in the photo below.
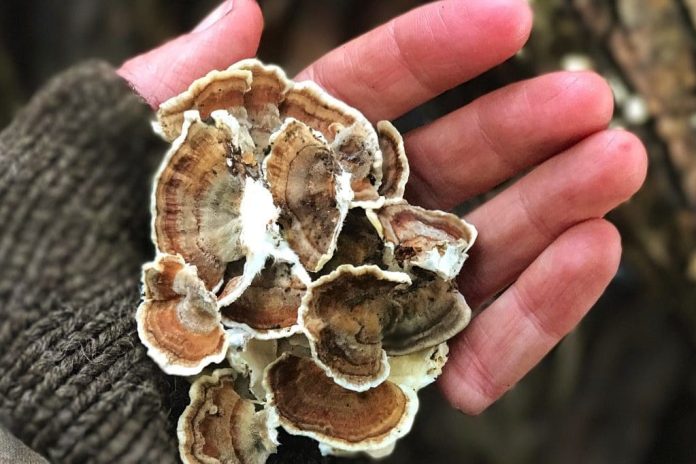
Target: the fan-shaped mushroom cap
pixel 395 169
pixel 354 316
pixel 268 307
pixel 420 369
pixel 197 196
pixel 178 320
pixel 261 96
pixel 266 93
pixel 344 314
pixel 307 402
pixel 350 134
pixel 432 311
pixel 431 240
pixel 311 191
pixel 218 426
pixel 216 91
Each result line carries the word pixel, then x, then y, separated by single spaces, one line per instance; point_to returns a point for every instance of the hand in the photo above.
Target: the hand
pixel 544 234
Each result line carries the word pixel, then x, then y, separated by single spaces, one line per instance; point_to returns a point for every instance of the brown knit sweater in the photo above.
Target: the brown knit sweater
pixel 75 383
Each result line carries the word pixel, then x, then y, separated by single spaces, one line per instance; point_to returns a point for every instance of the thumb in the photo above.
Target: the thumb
pixel 231 32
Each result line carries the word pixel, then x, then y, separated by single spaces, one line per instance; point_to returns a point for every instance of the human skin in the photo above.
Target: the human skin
pixel 543 239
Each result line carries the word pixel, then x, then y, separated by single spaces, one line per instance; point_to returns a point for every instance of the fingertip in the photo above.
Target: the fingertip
pixel 510 20
pixel 591 249
pixel 624 162
pixel 589 95
pixel 597 95
pixel 169 69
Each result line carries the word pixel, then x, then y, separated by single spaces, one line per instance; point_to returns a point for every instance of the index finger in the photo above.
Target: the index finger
pixel 422 53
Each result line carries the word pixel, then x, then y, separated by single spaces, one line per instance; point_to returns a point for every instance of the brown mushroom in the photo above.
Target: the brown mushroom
pixel 432 240
pixel 197 197
pixel 344 315
pixel 262 102
pixel 217 90
pixel 355 316
pixel 218 426
pixel 432 311
pixel 307 402
pixel 311 191
pixel 268 307
pixel 395 167
pixel 357 150
pixel 178 320
pixel 349 133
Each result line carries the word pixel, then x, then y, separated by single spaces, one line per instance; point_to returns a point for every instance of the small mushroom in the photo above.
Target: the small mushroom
pixel 357 150
pixel 432 311
pixel 344 314
pixel 307 402
pixel 262 102
pixel 178 319
pixel 311 191
pixel 197 197
pixel 395 169
pixel 268 307
pixel 432 240
pixel 349 133
pixel 218 426
pixel 217 90
pixel 355 316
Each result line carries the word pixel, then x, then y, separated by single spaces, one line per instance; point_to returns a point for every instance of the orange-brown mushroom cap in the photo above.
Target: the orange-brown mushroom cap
pixel 395 169
pixel 268 307
pixel 178 320
pixel 307 402
pixel 197 196
pixel 262 102
pixel 311 191
pixel 432 240
pixel 218 426
pixel 348 132
pixel 217 90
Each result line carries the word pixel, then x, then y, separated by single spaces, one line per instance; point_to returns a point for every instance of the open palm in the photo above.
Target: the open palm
pixel 543 234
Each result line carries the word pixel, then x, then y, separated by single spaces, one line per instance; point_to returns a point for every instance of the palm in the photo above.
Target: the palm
pixel 543 234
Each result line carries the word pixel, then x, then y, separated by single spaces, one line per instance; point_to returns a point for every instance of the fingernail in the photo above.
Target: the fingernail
pixel 216 15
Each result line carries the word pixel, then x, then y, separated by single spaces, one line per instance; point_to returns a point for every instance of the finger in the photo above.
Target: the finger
pixel 422 53
pixel 586 181
pixel 503 133
pixel 512 335
pixel 230 33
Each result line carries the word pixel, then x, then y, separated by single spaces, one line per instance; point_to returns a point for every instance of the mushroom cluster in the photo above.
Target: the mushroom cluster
pixel 292 281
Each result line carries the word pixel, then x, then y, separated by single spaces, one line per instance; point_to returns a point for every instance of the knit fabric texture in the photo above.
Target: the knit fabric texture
pixel 77 385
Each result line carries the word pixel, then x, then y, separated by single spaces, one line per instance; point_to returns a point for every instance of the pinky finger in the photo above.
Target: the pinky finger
pixel 547 301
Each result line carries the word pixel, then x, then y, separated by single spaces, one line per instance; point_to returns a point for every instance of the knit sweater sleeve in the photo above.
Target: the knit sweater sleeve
pixel 76 384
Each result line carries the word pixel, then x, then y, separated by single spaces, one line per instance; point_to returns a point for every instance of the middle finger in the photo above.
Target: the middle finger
pixel 495 137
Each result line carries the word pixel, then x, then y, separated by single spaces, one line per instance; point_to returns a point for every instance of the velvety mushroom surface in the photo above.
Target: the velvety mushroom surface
pixel 292 283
